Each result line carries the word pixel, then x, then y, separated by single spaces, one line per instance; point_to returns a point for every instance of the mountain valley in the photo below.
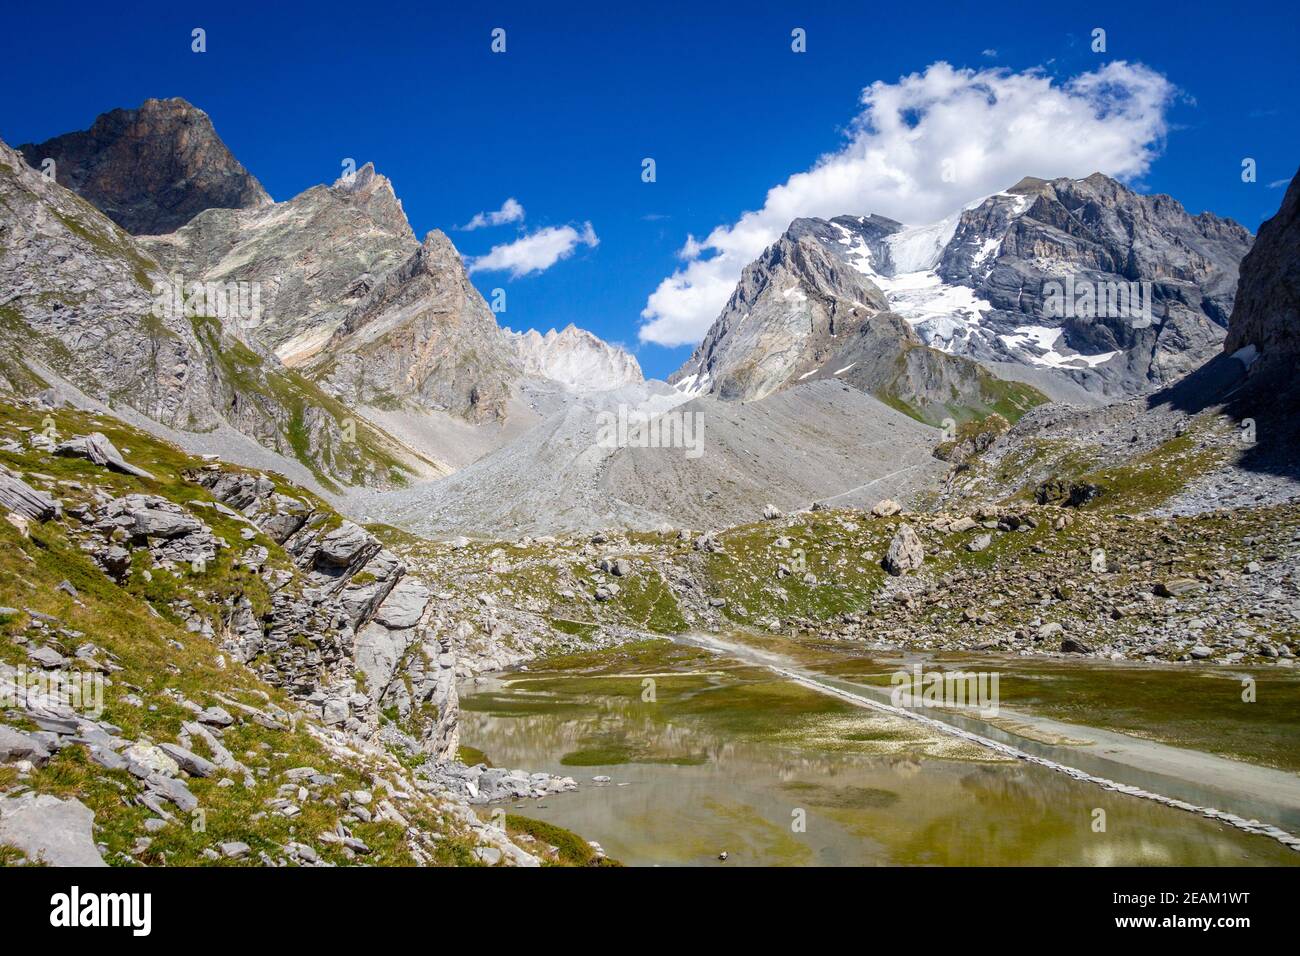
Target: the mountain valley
pixel 340 551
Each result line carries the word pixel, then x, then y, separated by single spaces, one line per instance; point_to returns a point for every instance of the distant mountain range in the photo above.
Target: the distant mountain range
pixel 331 314
pixel 345 352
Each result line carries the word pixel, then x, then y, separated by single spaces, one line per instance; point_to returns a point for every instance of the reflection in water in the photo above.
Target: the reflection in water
pixel 774 774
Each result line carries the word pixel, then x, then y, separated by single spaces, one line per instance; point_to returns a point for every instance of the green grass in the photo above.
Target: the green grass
pixel 570 849
pixel 745 573
pixel 12 856
pixel 1152 479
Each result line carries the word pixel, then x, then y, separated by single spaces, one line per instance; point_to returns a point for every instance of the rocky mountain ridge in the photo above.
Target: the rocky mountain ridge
pixel 152 169
pixel 422 335
pixel 803 311
pixel 294 323
pixel 82 307
pixel 312 257
pixel 979 284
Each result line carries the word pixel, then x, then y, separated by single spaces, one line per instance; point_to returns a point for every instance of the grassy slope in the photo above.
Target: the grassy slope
pixel 158 655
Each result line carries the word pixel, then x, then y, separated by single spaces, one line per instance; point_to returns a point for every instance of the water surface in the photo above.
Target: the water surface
pixel 713 755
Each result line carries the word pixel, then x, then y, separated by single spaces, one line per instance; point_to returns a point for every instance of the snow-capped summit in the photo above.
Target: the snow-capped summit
pixel 1081 280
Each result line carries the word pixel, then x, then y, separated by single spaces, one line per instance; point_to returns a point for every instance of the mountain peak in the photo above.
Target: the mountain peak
pixel 1029 186
pixel 575 358
pixel 973 284
pixel 152 169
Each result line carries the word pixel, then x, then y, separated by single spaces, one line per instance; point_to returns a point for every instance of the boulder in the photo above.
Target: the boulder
pixel 18 497
pixel 707 543
pixel 216 717
pixel 156 523
pixel 46 657
pixel 115 559
pixel 174 790
pixel 885 508
pixel 344 544
pixel 16 745
pixel 1067 494
pixel 905 552
pixel 404 605
pixel 189 761
pixel 335 711
pixel 1176 587
pixel 152 759
pixel 98 449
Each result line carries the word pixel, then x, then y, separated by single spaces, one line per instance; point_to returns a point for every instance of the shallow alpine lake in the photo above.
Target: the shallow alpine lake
pixel 710 752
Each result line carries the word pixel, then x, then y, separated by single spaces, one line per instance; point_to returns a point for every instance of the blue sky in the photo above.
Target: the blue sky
pixel 563 119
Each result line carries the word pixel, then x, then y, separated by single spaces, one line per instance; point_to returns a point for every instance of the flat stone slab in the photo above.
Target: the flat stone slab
pixel 47 829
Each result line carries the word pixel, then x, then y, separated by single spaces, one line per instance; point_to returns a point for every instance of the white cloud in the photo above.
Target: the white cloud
pixel 990 52
pixel 535 252
pixel 995 125
pixel 510 211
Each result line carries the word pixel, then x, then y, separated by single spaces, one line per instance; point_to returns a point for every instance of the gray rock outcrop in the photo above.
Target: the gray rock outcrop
pixel 423 336
pixel 1267 312
pixel 355 612
pixel 49 830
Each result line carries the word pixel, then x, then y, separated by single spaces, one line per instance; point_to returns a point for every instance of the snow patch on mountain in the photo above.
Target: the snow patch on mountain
pixel 1041 344
pixel 944 315
pixel 918 248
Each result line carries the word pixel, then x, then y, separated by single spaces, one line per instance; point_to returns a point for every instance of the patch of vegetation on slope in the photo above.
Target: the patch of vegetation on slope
pixel 1117 480
pixel 932 386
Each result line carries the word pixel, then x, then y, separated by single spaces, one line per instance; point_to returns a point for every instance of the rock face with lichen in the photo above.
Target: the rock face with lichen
pixel 80 309
pixel 152 169
pixel 351 612
pixel 78 300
